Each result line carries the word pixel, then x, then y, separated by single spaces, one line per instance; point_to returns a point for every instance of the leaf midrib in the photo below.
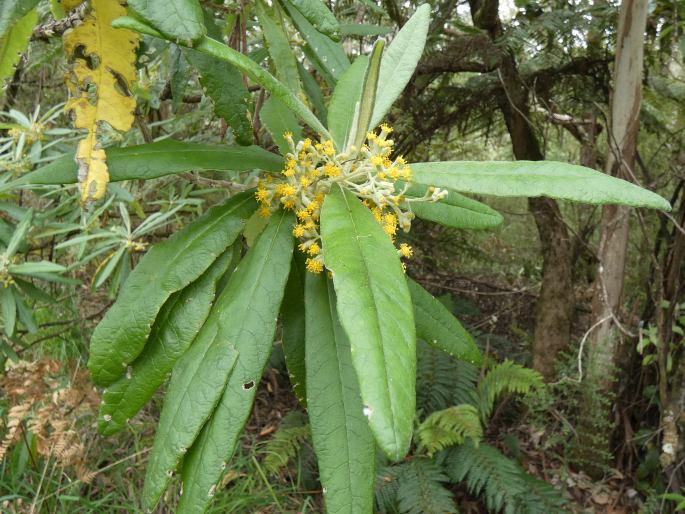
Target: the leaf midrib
pixel 367 279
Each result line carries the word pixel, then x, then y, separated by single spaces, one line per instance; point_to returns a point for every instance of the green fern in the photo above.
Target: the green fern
pixel 507 377
pixel 441 380
pixel 283 446
pixel 450 426
pixel 504 485
pixel 414 487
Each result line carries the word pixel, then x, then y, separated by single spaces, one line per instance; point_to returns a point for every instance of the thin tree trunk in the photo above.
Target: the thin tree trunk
pixel 555 306
pixel 622 134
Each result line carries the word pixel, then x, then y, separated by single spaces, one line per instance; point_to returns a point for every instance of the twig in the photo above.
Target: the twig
pixel 53 28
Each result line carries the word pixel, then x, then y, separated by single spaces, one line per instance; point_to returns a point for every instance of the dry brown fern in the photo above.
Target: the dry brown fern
pixel 56 407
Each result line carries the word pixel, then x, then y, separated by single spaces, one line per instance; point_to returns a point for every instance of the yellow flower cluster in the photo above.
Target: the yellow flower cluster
pixel 368 172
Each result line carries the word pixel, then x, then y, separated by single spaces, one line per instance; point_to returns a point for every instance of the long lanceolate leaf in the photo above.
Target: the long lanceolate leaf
pixel 293 331
pixel 168 267
pixel 176 19
pixel 399 61
pixel 224 85
pixel 145 162
pixel 376 312
pixel 346 95
pixel 175 328
pixel 455 210
pixel 438 327
pixel 368 96
pixel 327 55
pixel 244 64
pixel 195 388
pixel 343 443
pixel 248 320
pixel 280 51
pixel 536 178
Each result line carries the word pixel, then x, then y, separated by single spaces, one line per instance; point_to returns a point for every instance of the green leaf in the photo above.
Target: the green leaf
pixel 166 268
pixel 292 316
pixel 195 388
pixel 15 41
pixel 244 64
pixel 368 97
pixel 255 291
pixel 279 48
pixel 506 377
pixel 319 15
pixel 375 309
pixel 114 259
pixel 178 323
pixel 30 268
pixel 447 427
pixel 9 309
pixel 178 20
pixel 536 178
pixel 400 60
pixel 456 210
pixel 342 440
pixel 346 95
pixel 438 327
pixel 145 162
pixel 362 29
pixel 327 55
pixel 313 91
pixel 179 73
pixel 19 234
pixel 224 85
pixel 26 315
pixel 263 77
pixel 278 120
pixel 12 10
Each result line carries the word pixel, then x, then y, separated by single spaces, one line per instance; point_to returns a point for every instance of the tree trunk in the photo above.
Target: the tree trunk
pixel 622 134
pixel 556 303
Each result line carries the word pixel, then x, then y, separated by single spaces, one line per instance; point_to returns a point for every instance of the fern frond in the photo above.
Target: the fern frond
pixel 505 486
pixel 415 487
pixel 539 498
pixel 486 471
pixel 283 446
pixel 507 377
pixel 441 380
pixel 445 428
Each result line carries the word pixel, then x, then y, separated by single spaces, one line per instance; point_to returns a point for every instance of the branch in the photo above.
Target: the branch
pixel 53 28
pixel 476 53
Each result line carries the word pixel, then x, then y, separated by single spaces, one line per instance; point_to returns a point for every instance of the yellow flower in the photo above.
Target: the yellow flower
pixel 305 181
pixel 386 128
pixel 314 266
pixel 264 212
pixel 302 215
pixel 405 250
pixel 262 196
pixel 331 170
pixel 285 190
pixel 376 160
pixel 314 249
pixel 298 231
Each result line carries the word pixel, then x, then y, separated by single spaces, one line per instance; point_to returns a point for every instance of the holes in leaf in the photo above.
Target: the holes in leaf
pixel 248 385
pixel 92 60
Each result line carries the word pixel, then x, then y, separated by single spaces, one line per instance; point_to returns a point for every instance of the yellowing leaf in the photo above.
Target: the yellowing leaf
pixel 102 66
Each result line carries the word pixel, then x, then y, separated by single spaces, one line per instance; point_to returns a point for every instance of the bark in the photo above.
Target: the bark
pixel 622 135
pixel 555 306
